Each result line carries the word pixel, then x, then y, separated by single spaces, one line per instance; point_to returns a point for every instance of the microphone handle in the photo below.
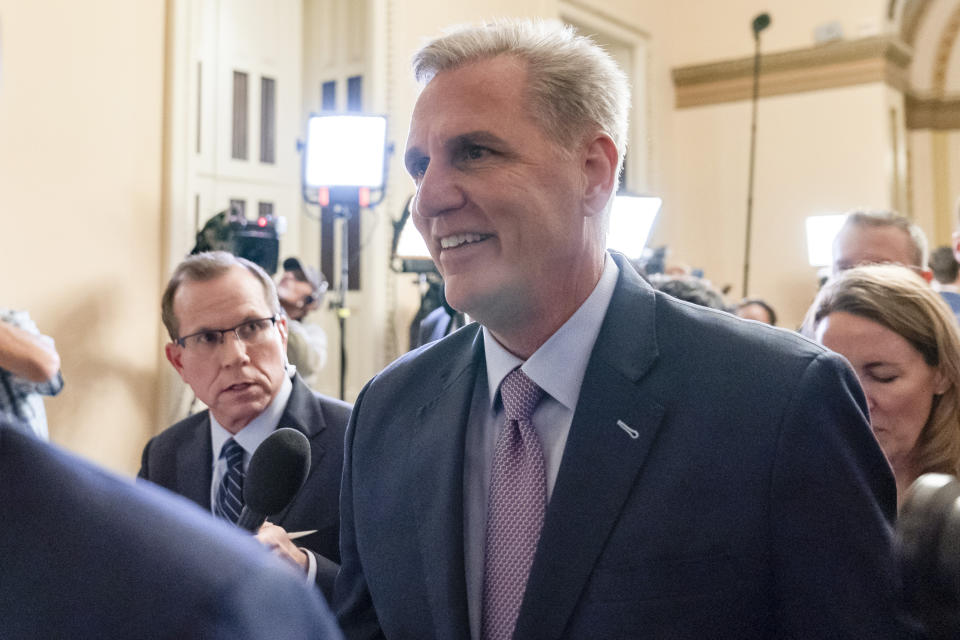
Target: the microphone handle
pixel 251 520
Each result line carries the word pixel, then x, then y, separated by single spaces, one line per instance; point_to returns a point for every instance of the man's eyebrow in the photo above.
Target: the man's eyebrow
pixel 481 137
pixel 475 137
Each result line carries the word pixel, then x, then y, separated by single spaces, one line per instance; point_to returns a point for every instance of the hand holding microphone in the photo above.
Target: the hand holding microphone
pixel 277 470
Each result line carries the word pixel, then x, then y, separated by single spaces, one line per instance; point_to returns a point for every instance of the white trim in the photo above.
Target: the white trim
pixel 638 178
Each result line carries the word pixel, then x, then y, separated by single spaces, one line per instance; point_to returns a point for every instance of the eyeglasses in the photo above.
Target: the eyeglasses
pixel 249 332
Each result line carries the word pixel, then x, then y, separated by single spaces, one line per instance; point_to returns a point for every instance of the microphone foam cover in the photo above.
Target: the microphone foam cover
pixel 277 470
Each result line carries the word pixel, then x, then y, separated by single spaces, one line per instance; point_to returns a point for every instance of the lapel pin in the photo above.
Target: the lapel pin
pixel 633 433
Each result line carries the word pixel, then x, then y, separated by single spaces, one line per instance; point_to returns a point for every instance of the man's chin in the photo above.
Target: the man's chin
pixel 233 420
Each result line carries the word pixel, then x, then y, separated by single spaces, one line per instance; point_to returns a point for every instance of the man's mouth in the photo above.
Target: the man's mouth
pixel 240 386
pixel 460 239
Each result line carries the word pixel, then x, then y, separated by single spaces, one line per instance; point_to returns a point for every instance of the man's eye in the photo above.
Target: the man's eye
pixel 476 152
pixel 208 337
pixel 418 168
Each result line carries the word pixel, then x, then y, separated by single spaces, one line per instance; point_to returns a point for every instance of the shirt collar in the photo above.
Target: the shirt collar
pixel 258 429
pixel 560 363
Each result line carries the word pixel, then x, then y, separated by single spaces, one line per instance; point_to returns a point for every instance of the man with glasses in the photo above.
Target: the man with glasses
pixel 228 342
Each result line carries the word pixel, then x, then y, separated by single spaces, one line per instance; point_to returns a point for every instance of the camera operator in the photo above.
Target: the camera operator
pixel 301 290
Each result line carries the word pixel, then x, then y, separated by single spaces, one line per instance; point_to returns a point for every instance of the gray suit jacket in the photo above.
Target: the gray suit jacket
pixel 753 503
pixel 179 460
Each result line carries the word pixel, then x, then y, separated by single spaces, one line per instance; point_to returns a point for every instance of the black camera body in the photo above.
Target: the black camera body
pixel 256 240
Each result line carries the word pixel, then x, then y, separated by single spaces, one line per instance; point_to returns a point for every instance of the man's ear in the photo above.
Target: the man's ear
pixel 600 172
pixel 282 328
pixel 956 245
pixel 174 354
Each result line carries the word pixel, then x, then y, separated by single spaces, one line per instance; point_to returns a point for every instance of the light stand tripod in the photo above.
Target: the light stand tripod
pixel 760 23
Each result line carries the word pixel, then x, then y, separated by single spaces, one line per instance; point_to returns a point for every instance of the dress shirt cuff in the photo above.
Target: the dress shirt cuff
pixel 311 565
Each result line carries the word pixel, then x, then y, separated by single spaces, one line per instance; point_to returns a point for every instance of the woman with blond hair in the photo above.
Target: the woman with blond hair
pixel 903 342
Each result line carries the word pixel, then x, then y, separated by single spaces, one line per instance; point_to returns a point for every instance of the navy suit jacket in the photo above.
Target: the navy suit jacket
pixel 179 458
pixel 753 503
pixel 86 554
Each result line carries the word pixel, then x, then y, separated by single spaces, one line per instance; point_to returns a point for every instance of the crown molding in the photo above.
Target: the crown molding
pixel 834 64
pixel 941 114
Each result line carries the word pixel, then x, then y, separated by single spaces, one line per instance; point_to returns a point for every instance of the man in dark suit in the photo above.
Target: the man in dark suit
pixel 87 554
pixel 594 459
pixel 228 342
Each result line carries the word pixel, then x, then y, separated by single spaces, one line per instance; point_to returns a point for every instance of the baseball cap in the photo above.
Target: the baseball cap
pixel 306 273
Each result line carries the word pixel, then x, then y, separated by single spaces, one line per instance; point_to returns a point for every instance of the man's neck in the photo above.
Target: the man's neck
pixel 522 334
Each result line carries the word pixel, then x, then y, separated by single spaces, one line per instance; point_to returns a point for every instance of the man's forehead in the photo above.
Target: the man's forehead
pixel 864 244
pixel 465 93
pixel 236 294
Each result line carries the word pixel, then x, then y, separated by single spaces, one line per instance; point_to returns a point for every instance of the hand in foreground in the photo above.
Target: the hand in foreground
pixel 275 538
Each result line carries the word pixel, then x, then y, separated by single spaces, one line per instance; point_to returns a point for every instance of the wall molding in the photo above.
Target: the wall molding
pixel 831 65
pixel 940 114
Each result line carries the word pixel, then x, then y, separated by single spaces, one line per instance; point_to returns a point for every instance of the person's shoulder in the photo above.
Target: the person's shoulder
pixel 185 428
pixel 434 356
pixel 147 525
pixel 702 330
pixel 420 375
pixel 333 408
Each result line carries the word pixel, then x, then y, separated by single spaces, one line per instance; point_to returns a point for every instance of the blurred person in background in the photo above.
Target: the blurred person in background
pixel 877 237
pixel 757 309
pixel 902 341
pixel 301 289
pixel 29 369
pixel 689 288
pixel 946 276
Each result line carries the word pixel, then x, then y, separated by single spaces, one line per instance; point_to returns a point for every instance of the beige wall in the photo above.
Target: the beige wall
pixel 81 117
pixel 819 152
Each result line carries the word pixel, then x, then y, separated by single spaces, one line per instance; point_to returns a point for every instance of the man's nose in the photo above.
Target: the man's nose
pixel 439 191
pixel 233 349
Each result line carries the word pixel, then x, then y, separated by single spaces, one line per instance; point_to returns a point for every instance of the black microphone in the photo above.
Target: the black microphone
pixel 760 23
pixel 928 531
pixel 277 470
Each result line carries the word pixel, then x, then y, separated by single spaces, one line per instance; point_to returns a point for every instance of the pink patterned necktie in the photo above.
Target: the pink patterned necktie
pixel 518 499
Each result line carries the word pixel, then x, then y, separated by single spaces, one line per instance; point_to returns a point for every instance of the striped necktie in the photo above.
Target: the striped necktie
pixel 229 501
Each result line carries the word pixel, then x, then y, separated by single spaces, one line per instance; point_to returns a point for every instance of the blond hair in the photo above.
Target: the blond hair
pixel 573 83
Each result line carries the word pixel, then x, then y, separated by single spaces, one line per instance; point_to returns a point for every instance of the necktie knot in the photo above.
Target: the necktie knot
pixel 520 396
pixel 232 452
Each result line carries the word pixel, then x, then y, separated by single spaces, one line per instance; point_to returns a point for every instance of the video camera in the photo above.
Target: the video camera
pixel 256 240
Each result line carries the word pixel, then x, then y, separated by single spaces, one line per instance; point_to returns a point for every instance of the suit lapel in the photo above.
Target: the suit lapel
pixel 437 482
pixel 193 468
pixel 303 414
pixel 611 434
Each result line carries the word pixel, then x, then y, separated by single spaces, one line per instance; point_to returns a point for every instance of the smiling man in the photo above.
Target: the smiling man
pixel 593 459
pixel 228 342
